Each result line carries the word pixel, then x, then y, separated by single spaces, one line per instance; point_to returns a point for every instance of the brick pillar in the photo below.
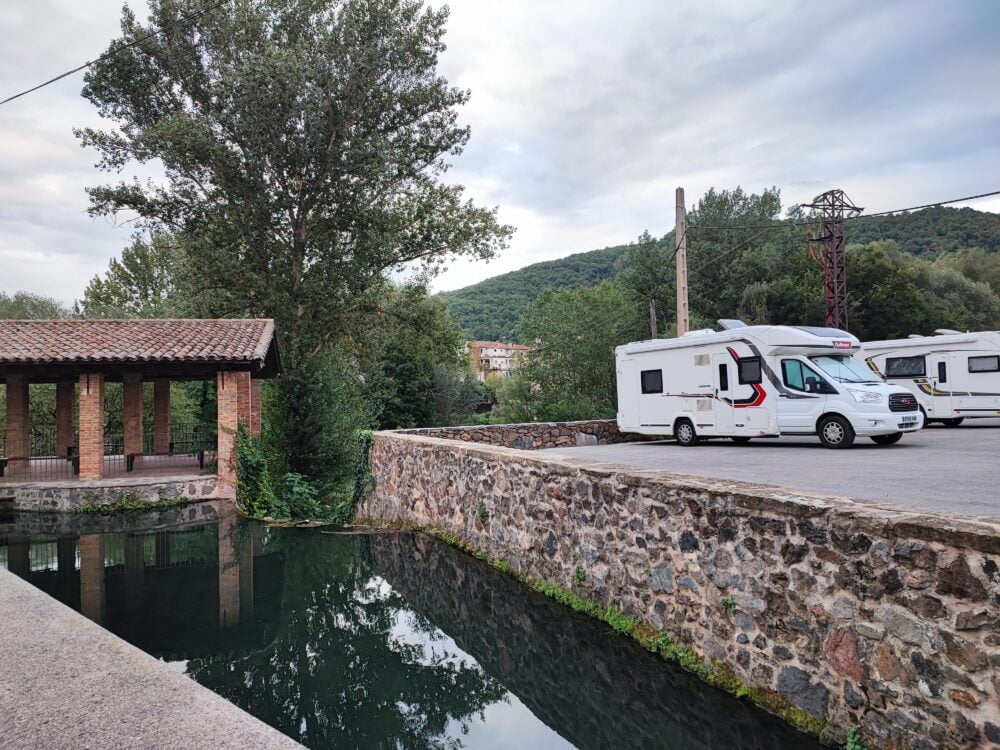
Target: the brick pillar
pixel 18 421
pixel 91 427
pixel 65 436
pixel 227 384
pixel 243 398
pixel 255 407
pixel 132 412
pixel 161 415
pixel 91 571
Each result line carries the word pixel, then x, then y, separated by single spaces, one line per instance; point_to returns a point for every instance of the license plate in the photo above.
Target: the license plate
pixel 907 421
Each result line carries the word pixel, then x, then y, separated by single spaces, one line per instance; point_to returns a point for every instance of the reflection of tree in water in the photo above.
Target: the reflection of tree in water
pixel 351 664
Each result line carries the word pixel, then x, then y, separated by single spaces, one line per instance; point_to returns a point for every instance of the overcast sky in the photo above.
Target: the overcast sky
pixel 585 116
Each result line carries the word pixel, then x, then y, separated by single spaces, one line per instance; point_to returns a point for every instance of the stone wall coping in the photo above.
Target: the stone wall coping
pixel 972 533
pixel 511 426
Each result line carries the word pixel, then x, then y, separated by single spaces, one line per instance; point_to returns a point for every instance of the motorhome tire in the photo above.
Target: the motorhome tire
pixel 740 439
pixel 835 432
pixel 887 439
pixel 952 422
pixel 684 433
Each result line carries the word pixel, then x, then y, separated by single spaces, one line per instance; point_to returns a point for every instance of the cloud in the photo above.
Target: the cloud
pixel 585 116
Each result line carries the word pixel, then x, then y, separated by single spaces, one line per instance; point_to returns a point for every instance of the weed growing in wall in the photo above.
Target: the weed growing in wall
pixel 728 604
pixel 481 513
pixel 579 575
pixel 854 741
pixel 131 502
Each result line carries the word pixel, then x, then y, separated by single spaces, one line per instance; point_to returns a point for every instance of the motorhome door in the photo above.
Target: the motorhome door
pixel 725 375
pixel 941 372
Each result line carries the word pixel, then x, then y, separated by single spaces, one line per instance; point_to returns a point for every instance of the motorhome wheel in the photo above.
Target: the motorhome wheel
pixel 684 433
pixel 952 422
pixel 836 432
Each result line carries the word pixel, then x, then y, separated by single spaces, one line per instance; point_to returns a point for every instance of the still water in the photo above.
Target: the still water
pixel 372 641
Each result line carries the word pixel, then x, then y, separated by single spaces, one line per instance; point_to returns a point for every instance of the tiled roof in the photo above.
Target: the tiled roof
pixel 114 341
pixel 497 345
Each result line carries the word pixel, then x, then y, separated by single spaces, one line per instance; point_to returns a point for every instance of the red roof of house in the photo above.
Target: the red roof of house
pixel 222 341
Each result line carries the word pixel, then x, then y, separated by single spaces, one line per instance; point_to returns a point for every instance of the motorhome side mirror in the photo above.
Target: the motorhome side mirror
pixel 812 385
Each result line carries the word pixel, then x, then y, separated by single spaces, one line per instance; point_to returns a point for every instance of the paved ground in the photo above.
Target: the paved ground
pixel 944 470
pixel 68 683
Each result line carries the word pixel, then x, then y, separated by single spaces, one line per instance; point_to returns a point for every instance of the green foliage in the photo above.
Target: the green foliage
pixel 855 740
pixel 490 309
pixel 254 490
pixel 482 513
pixel 570 368
pixel 299 496
pixel 28 306
pixel 728 604
pixel 649 275
pixel 579 575
pixel 364 482
pixel 139 285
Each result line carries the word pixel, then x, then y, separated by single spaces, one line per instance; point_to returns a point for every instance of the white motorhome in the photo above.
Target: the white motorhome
pixel 758 381
pixel 954 375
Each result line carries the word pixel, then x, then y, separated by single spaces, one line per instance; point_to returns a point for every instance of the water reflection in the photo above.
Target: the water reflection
pixel 384 641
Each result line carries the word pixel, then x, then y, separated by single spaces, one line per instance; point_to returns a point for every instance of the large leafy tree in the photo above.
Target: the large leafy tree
pixel 303 145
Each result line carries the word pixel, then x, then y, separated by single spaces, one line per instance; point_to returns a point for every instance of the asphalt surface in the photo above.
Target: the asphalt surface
pixel 941 470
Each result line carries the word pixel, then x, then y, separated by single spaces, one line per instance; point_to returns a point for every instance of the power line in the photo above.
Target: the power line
pixel 109 53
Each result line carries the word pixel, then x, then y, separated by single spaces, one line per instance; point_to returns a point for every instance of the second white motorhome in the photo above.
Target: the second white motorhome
pixel 954 375
pixel 758 381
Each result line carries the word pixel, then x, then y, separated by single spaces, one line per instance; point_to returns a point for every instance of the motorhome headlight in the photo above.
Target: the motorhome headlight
pixel 866 397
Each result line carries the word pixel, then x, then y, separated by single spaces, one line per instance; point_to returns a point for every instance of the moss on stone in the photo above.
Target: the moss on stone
pixel 132 502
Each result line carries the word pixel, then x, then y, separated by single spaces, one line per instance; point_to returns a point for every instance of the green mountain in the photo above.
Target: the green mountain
pixel 491 308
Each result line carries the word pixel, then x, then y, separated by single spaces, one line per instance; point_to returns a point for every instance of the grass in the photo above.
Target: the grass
pixel 130 503
pixel 715 673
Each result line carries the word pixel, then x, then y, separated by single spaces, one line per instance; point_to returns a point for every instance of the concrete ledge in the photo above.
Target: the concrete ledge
pixel 68 683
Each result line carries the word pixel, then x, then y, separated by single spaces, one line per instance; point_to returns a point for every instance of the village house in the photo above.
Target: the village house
pixel 494 357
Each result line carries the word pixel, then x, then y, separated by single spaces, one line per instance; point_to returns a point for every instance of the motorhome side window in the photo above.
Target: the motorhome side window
pixel 905 367
pixel 652 381
pixel 749 370
pixel 796 375
pixel 984 364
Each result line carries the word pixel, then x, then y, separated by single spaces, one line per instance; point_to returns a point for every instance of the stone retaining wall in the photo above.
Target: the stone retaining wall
pixel 854 613
pixel 536 435
pixel 69 496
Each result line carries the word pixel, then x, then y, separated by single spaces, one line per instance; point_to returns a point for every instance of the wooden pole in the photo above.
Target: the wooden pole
pixel 652 318
pixel 680 237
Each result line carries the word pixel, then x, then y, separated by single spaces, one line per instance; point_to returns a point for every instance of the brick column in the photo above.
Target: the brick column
pixel 255 407
pixel 132 412
pixel 243 397
pixel 227 384
pixel 65 436
pixel 91 427
pixel 18 421
pixel 161 415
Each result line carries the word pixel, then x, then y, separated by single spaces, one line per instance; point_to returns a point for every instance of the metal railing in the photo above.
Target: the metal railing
pixel 186 449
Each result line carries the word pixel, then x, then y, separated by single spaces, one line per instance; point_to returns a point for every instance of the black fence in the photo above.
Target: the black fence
pixel 186 449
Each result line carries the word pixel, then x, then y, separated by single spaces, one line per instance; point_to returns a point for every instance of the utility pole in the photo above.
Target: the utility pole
pixel 835 206
pixel 680 237
pixel 652 318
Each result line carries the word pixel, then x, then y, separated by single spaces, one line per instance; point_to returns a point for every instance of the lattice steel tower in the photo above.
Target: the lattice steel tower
pixel 835 207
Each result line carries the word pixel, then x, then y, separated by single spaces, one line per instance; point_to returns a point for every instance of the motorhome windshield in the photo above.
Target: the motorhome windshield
pixel 844 369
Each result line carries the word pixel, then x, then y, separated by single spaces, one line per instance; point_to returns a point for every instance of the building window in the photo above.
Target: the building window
pixel 984 364
pixel 652 381
pixel 905 367
pixel 749 370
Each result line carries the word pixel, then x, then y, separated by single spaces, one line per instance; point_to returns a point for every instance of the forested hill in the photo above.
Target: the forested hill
pixel 491 308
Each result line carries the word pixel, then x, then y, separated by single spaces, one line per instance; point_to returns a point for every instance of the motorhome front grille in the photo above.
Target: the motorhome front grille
pixel 902 402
